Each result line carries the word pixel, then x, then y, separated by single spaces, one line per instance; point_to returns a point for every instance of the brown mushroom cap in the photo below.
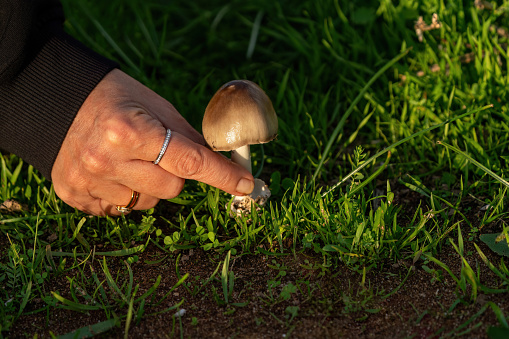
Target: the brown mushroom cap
pixel 239 114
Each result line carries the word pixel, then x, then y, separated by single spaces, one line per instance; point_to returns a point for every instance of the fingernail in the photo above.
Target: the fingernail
pixel 245 186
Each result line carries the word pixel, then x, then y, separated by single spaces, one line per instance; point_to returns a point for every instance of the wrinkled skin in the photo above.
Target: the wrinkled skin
pixel 112 143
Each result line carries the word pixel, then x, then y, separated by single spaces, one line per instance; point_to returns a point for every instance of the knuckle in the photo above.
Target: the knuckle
pixel 70 186
pixel 72 178
pixel 66 197
pixel 150 204
pixel 69 198
pixel 120 131
pixel 177 186
pixel 191 163
pixel 94 162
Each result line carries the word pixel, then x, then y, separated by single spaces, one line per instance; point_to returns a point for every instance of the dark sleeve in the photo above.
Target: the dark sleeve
pixel 45 76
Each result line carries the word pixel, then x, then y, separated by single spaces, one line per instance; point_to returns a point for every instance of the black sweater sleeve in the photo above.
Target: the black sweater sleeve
pixel 45 76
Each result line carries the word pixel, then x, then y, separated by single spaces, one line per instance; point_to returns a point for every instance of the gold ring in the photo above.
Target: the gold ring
pixel 129 207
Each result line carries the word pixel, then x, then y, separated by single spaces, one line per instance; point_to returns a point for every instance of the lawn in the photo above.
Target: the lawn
pixel 389 207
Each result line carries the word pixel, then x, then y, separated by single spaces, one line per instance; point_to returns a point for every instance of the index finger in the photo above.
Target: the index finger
pixel 189 160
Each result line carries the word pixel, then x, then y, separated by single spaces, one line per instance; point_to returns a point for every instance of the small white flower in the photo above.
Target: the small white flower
pixel 180 313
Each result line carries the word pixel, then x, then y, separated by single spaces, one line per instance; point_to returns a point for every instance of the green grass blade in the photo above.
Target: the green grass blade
pixel 131 280
pixel 371 177
pixel 224 276
pixel 111 281
pixel 476 163
pixel 444 266
pixel 490 265
pixel 3 180
pixel 466 323
pixel 209 279
pixel 76 233
pixel 117 253
pixel 254 35
pixel 282 88
pixel 149 291
pixel 129 316
pixel 32 218
pixel 498 332
pixel 399 286
pixel 16 172
pixel 26 297
pixel 350 109
pixel 499 314
pixel 71 305
pixel 180 282
pixel 99 287
pixel 396 144
pixel 90 331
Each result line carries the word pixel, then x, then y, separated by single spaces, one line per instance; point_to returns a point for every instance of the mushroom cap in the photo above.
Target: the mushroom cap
pixel 239 114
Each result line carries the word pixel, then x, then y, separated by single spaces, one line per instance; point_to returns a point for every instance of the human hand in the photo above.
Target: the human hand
pixel 112 143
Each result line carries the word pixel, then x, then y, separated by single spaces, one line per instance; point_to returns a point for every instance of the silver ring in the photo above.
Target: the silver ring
pixel 165 146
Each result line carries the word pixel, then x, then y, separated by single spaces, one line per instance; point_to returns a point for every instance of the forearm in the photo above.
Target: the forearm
pixel 45 76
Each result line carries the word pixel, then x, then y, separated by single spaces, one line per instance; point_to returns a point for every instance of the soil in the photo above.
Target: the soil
pixel 331 303
pixel 326 302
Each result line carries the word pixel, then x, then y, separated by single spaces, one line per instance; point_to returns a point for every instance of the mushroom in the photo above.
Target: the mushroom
pixel 238 115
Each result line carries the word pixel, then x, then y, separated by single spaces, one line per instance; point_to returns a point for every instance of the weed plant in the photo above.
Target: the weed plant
pixel 366 111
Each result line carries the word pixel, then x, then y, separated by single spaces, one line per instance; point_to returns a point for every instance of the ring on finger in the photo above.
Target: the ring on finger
pixel 129 207
pixel 164 147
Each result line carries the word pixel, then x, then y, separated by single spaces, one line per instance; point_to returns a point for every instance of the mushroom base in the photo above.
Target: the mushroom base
pixel 257 198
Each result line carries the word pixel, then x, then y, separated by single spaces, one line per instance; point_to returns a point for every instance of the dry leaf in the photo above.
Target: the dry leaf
pixel 11 206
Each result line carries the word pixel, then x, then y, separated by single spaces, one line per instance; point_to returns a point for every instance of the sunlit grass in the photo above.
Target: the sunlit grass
pixel 365 110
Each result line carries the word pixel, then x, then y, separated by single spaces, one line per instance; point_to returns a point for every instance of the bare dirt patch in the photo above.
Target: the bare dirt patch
pixel 326 302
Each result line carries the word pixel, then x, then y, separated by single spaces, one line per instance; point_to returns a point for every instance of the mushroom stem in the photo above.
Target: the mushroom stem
pixel 242 156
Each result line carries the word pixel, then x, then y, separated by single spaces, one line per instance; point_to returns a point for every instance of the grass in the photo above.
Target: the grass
pixel 366 111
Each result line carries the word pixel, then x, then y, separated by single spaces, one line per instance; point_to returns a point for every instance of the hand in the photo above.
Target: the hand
pixel 111 145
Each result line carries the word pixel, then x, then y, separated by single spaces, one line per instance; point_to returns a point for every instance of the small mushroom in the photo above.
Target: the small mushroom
pixel 238 115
